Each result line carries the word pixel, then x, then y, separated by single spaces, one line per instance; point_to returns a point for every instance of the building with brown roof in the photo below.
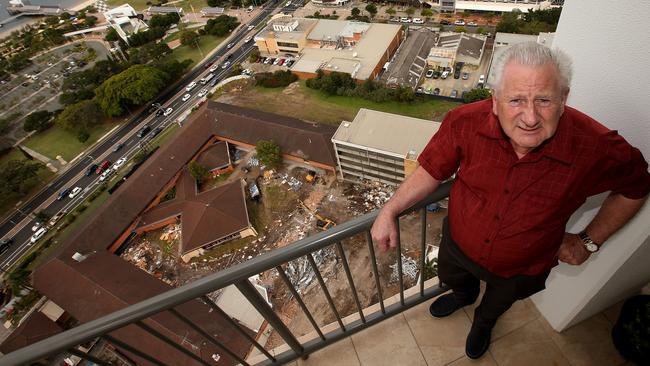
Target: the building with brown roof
pixel 207 219
pixel 216 158
pixel 35 328
pixel 102 282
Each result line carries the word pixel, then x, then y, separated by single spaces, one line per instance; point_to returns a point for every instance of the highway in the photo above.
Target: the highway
pixel 19 225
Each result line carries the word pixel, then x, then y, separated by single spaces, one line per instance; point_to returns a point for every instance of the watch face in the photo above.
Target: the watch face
pixel 592 247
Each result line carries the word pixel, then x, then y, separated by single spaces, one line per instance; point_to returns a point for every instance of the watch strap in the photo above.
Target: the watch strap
pixel 589 244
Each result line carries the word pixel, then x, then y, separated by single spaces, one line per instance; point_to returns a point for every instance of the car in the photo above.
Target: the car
pixel 91 169
pixel 436 74
pixel 186 97
pixel 168 111
pixel 208 64
pixel 405 20
pixel 419 89
pixel 214 82
pixel 229 56
pixel 214 68
pixel 103 166
pixel 105 175
pixel 144 131
pixel 454 93
pixel 229 46
pixel 277 61
pixel 118 147
pixel 56 218
pixel 37 235
pixel 203 92
pixel 459 22
pixel 429 73
pixel 5 244
pixel 64 192
pixel 118 164
pixel 445 22
pixel 75 192
pixel 159 112
pixel 249 9
pixel 444 74
pixel 155 132
pixel 190 86
pixel 225 65
pixel 289 63
pixel 263 60
pixel 25 84
pixel 281 62
pixel 436 91
pixel 287 4
pixel 37 225
pixel 472 24
pixel 247 39
pixel 268 60
pixel 465 75
pixel 394 20
pixel 207 78
pixel 418 21
pixel 481 79
pixel 250 27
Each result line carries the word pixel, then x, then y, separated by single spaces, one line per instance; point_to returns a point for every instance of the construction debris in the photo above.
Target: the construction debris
pixel 409 269
pixel 301 273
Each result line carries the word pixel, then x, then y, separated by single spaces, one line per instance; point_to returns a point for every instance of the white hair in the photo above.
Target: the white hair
pixel 533 54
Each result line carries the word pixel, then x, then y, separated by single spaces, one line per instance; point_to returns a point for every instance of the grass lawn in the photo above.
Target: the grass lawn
pixel 136 4
pixel 298 101
pixel 206 44
pixel 57 141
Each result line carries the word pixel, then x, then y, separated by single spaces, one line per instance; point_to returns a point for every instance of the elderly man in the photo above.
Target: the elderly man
pixel 524 162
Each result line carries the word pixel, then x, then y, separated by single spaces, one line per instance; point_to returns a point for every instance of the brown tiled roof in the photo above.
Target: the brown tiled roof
pixel 126 203
pixel 215 157
pixel 205 217
pixel 86 292
pixel 35 328
pixel 309 141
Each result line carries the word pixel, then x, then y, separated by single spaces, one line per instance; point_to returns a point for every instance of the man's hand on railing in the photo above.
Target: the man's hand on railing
pixel 384 231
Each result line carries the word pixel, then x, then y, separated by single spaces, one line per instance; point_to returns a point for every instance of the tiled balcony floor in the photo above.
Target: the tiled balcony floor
pixel 521 337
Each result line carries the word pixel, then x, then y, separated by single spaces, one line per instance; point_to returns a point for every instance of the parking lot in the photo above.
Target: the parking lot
pixel 448 85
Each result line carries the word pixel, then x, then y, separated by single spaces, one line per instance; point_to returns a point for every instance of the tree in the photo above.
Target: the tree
pixel 38 121
pixel 173 68
pixel 390 11
pixel 460 29
pixel 164 21
pixel 133 86
pixel 410 11
pixel 189 38
pixel 476 95
pixel 426 12
pixel 372 9
pixel 269 153
pixel 356 12
pixel 255 54
pixel 79 116
pixel 111 35
pixel 90 21
pixel 148 52
pixel 197 170
pixel 17 177
pixel 41 216
pixel 221 25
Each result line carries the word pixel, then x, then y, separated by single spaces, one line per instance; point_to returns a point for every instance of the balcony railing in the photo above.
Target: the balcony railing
pixel 238 275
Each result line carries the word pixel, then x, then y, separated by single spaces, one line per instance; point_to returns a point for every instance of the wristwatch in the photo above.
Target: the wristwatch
pixel 590 245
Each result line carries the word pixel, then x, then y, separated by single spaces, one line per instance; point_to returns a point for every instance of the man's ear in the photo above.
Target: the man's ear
pixel 494 102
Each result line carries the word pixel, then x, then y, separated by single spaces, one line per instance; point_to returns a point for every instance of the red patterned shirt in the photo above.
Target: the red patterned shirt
pixel 508 214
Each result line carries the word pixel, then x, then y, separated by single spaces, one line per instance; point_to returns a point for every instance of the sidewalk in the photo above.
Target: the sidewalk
pixel 53 165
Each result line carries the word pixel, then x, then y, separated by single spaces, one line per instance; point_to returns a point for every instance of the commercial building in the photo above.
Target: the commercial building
pixel 379 146
pixel 499 6
pixel 456 47
pixel 357 48
pixel 126 21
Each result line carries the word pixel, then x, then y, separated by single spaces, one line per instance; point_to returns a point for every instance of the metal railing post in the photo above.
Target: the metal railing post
pixel 249 291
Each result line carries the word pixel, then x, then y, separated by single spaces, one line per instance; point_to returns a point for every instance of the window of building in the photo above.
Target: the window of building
pixel 285 44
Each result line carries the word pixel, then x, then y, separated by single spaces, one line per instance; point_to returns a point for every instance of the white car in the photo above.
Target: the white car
pixel 481 79
pixel 418 21
pixel 186 97
pixel 250 27
pixel 214 68
pixel 167 112
pixel 118 164
pixel 203 92
pixel 405 20
pixel 444 74
pixel 230 45
pixel 247 39
pixel 37 235
pixel 459 22
pixel 107 173
pixel 225 65
pixel 75 192
pixel 37 225
pixel 190 86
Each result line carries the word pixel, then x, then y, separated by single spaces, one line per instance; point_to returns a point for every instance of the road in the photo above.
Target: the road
pixel 19 225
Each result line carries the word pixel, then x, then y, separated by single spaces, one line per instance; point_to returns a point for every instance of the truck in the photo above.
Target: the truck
pixel 206 79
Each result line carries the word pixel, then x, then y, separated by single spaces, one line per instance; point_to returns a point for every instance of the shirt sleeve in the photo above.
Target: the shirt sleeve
pixel 624 169
pixel 441 156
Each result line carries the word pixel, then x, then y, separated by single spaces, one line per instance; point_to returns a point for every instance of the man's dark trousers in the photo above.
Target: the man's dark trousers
pixel 463 276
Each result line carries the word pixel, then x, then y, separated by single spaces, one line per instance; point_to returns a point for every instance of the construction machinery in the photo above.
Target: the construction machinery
pixel 322 223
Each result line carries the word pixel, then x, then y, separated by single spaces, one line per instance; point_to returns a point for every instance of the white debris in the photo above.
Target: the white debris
pixel 409 269
pixel 300 271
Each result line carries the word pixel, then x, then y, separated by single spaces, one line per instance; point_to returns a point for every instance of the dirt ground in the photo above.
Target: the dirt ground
pixel 281 219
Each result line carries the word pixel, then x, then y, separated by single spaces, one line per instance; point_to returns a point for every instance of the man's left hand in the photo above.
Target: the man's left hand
pixel 572 250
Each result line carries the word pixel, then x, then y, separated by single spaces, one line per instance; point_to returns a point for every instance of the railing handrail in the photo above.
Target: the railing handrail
pixel 153 305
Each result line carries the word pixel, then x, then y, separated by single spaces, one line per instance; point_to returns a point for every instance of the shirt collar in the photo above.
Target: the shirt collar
pixel 557 147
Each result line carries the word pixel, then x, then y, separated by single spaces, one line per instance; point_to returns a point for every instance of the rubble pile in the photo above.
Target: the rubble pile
pixel 409 269
pixel 292 181
pixel 369 197
pixel 301 273
pixel 171 233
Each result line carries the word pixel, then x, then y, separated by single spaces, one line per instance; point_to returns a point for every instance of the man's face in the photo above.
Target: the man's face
pixel 528 104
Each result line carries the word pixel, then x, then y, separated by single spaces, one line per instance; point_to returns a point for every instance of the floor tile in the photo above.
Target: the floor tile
pixel 340 353
pixel 388 343
pixel 588 342
pixel 441 340
pixel 486 360
pixel 529 345
pixel 613 312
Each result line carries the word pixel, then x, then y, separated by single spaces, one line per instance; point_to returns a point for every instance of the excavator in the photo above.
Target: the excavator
pixel 322 223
